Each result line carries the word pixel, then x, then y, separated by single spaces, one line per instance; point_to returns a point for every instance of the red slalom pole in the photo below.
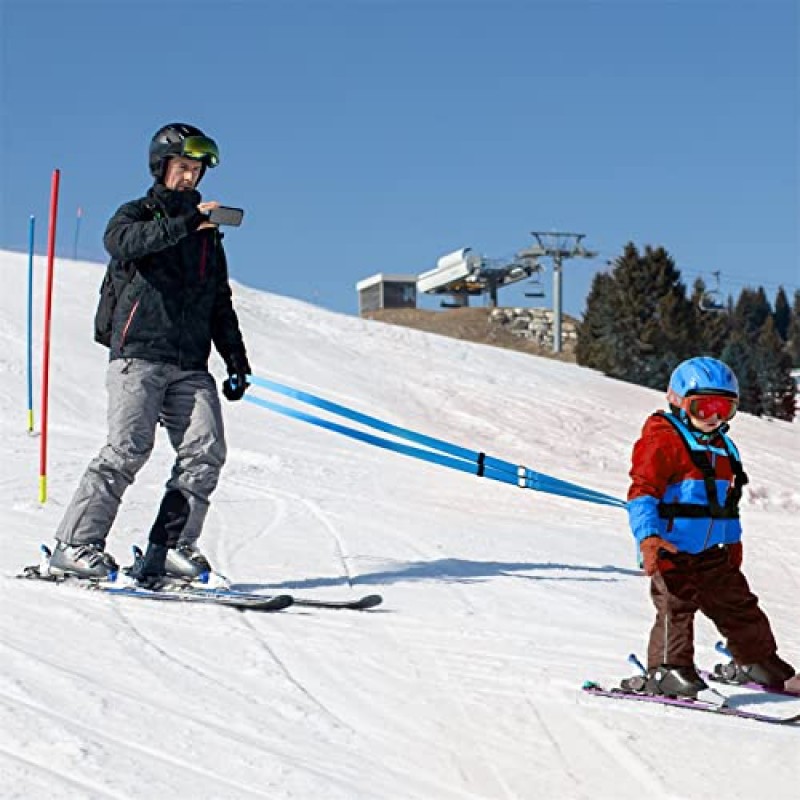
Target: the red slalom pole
pixel 48 307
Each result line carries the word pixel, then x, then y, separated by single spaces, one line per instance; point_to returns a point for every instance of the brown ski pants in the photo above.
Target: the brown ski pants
pixel 706 582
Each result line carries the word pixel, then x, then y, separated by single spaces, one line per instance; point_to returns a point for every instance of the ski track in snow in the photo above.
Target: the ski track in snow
pixel 181 717
pixel 95 733
pixel 304 690
pixel 53 784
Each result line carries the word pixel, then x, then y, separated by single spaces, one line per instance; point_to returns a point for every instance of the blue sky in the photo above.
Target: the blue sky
pixel 366 137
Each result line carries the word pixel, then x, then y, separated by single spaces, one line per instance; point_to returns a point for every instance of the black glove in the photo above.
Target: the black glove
pixel 235 385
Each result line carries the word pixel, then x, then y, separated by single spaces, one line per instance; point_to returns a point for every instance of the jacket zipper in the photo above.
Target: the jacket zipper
pixel 128 323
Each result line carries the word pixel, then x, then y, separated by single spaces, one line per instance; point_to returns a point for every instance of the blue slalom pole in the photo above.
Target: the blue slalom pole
pixel 31 228
pixel 78 218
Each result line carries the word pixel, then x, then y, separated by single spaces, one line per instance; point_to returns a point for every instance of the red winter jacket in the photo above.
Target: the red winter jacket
pixel 662 470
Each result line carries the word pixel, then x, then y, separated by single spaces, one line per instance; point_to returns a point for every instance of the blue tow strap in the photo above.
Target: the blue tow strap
pixel 440 452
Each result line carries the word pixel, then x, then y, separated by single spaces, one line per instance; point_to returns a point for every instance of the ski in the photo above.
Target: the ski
pixel 713 707
pixel 221 588
pixel 207 588
pixel 179 592
pixel 208 596
pixel 712 677
pixel 359 604
pixel 363 603
pixel 717 677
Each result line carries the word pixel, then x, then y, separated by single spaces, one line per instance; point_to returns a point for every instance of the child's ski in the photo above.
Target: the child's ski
pixel 712 707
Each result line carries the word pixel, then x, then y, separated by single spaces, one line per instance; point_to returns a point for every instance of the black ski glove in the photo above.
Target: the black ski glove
pixel 235 385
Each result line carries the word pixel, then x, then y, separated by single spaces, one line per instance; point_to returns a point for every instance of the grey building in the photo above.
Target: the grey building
pixel 386 291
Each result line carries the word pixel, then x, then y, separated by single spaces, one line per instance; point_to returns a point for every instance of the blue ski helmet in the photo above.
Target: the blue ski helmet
pixel 701 375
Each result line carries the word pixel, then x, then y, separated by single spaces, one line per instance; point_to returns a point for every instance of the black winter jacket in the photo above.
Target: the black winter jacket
pixel 173 298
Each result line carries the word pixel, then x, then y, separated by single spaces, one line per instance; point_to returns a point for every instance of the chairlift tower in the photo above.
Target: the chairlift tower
pixel 560 247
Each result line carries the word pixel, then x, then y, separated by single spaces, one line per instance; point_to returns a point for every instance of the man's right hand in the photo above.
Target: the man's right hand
pixel 204 208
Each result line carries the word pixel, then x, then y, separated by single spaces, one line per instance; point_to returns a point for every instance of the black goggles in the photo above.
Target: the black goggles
pixel 201 148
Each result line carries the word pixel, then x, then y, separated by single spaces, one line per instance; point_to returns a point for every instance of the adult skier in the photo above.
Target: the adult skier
pixel 165 300
pixel 683 507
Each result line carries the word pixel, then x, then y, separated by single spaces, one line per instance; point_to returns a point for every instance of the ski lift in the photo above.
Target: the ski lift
pixel 536 287
pixel 711 299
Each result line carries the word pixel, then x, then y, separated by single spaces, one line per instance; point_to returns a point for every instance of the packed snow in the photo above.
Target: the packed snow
pixel 499 602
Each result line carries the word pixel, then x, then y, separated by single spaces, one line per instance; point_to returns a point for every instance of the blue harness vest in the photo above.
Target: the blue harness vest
pixel 701 458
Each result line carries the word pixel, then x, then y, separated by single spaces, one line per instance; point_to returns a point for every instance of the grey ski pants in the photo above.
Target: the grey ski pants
pixel 142 394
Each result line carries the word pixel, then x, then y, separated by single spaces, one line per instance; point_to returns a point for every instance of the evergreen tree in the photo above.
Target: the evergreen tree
pixel 738 354
pixel 793 333
pixel 773 370
pixel 713 326
pixel 638 324
pixel 751 310
pixel 782 315
pixel 597 327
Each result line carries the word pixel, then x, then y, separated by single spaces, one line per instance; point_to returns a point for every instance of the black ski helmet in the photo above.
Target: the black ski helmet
pixel 180 139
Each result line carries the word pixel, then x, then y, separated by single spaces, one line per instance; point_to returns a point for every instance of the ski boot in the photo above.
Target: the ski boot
pixel 88 561
pixel 188 563
pixel 772 672
pixel 149 569
pixel 667 680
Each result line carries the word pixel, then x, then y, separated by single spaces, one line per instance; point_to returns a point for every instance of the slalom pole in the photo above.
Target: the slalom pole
pixel 48 308
pixel 78 218
pixel 31 229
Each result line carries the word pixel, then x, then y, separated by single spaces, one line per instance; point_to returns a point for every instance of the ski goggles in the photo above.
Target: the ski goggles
pixel 706 406
pixel 201 148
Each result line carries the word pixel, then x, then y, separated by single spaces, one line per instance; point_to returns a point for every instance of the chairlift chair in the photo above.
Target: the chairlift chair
pixel 536 289
pixel 711 299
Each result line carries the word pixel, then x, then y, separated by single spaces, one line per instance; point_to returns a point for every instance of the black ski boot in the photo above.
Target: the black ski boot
pixel 667 680
pixel 149 570
pixel 772 672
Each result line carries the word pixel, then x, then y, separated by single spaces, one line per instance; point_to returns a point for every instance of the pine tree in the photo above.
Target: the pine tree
pixel 793 333
pixel 597 327
pixel 782 315
pixel 773 370
pixel 751 310
pixel 739 355
pixel 638 324
pixel 713 326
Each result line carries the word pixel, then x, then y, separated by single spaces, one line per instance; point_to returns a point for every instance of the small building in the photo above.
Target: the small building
pixel 386 291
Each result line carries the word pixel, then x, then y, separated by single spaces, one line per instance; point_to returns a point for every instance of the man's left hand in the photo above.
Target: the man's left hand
pixel 234 386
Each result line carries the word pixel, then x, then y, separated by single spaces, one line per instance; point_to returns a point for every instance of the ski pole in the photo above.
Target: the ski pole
pixel 633 660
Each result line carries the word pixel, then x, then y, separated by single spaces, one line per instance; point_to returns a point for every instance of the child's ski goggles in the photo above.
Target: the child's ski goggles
pixel 201 148
pixel 706 406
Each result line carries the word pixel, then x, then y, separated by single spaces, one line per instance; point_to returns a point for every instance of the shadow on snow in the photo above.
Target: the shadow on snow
pixel 457 570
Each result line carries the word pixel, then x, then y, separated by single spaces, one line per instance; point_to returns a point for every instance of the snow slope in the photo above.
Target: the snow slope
pixel 499 602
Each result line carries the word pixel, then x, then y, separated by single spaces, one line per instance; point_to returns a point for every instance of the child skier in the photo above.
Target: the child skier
pixel 683 508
